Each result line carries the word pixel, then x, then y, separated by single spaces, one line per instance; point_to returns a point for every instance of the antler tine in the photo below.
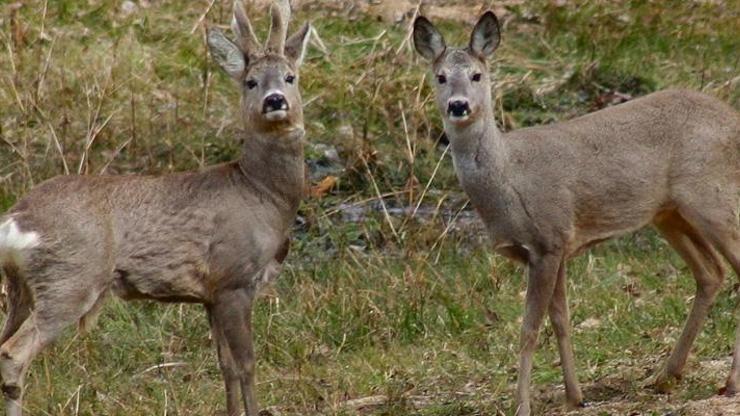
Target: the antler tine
pixel 280 12
pixel 246 38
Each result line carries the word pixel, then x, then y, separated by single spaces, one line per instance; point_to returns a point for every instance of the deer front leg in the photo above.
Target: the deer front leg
pixel 543 274
pixel 233 314
pixel 560 319
pixel 228 366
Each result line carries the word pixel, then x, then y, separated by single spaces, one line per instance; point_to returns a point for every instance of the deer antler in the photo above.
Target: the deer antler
pixel 280 12
pixel 246 39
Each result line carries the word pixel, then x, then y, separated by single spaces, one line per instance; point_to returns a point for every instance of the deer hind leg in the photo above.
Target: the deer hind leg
pixel 560 319
pixel 56 307
pixel 232 311
pixel 732 386
pixel 708 271
pixel 19 303
pixel 720 222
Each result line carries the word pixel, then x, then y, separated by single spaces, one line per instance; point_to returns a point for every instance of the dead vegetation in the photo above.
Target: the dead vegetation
pixel 390 306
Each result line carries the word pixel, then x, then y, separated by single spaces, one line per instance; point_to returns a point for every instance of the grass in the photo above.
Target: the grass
pixel 431 323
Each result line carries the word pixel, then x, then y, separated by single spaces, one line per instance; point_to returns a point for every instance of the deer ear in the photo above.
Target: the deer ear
pixel 296 45
pixel 226 54
pixel 427 40
pixel 486 35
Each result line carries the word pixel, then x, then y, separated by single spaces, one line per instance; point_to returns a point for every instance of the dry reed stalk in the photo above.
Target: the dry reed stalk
pixel 202 17
pixel 382 201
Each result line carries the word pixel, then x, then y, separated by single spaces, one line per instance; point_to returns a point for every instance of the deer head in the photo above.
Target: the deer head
pixel 267 76
pixel 460 74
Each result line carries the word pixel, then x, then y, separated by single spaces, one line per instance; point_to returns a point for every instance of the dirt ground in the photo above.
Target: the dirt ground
pixel 622 393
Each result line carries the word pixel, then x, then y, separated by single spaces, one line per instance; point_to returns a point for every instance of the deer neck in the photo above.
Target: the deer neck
pixel 273 164
pixel 481 161
pixel 479 148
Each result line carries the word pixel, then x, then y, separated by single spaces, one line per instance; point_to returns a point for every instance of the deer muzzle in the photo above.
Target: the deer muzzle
pixel 458 109
pixel 275 107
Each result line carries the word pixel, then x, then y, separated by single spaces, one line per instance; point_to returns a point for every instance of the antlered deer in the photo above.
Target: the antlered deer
pixel 546 193
pixel 210 237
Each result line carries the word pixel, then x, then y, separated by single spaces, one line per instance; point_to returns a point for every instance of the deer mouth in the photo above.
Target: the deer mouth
pixel 459 118
pixel 276 115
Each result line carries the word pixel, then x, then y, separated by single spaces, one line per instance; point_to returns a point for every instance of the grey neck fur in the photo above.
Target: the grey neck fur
pixel 480 143
pixel 273 163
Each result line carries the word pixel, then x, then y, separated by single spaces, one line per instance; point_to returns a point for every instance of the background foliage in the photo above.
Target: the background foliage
pixel 409 314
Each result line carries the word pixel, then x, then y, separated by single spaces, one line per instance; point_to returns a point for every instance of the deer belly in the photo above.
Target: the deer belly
pixel 180 284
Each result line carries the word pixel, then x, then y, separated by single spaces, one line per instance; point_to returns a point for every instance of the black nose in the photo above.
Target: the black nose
pixel 458 108
pixel 275 102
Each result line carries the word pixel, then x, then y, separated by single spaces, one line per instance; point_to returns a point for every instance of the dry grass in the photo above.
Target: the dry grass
pixel 404 307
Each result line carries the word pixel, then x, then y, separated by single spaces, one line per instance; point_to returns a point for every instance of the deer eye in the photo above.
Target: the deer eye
pixel 476 77
pixel 441 79
pixel 251 84
pixel 290 79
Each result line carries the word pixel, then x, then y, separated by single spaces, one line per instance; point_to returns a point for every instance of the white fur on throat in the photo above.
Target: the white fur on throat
pixel 13 240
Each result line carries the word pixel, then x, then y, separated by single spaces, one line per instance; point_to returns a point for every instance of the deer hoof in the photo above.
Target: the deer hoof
pixel 11 391
pixel 666 383
pixel 577 404
pixel 523 411
pixel 727 391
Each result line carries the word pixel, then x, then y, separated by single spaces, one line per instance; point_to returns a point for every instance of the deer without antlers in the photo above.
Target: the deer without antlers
pixel 671 159
pixel 210 237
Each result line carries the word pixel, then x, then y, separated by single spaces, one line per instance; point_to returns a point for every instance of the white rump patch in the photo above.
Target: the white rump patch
pixel 12 239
